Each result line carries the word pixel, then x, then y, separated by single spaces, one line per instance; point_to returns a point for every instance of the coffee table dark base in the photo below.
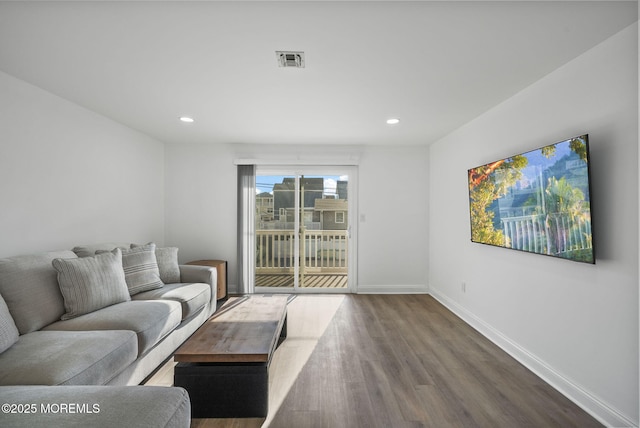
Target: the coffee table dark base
pixel 221 390
pixel 228 390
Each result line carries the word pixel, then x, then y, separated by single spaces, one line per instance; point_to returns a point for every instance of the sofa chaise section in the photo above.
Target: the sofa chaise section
pixel 95 406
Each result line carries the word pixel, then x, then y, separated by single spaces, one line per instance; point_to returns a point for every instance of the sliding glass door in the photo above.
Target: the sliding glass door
pixel 302 230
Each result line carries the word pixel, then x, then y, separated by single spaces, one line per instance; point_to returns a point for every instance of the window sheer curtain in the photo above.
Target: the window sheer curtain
pixel 246 228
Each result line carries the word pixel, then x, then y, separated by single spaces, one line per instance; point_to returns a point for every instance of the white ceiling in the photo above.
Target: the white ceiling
pixel 435 65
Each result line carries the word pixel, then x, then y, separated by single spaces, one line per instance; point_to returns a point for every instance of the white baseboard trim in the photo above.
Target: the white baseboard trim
pixel 600 410
pixel 392 289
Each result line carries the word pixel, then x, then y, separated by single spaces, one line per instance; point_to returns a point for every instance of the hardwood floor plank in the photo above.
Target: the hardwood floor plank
pixel 438 412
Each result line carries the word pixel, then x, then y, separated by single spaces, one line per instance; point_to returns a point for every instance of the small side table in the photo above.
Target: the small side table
pixel 221 267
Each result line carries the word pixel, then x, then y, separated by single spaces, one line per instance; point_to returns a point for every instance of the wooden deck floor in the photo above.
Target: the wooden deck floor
pixel 310 281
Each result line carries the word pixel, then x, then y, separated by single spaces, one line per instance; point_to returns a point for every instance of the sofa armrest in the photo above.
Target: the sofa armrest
pixel 204 274
pixel 95 406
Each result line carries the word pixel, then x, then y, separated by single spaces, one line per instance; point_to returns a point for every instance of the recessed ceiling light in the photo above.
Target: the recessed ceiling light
pixel 186 119
pixel 393 121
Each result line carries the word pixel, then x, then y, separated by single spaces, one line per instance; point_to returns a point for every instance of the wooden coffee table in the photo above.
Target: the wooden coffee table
pixel 224 365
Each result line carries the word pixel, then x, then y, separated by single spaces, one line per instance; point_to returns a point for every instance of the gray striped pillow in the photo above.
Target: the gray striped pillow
pixel 167 259
pixel 141 269
pixel 91 283
pixel 8 329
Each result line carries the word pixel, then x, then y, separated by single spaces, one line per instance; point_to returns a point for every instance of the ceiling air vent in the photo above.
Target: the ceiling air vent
pixel 290 59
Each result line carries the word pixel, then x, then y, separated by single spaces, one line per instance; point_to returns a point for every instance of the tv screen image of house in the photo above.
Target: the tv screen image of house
pixel 538 201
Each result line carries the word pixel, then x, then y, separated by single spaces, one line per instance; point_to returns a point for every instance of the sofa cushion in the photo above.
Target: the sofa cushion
pixel 90 250
pixel 91 283
pixel 141 269
pixel 8 330
pixel 67 357
pixel 192 297
pixel 106 406
pixel 30 288
pixel 151 321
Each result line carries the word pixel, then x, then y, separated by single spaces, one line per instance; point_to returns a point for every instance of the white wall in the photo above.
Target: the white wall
pixel 200 203
pixel 201 206
pixel 575 324
pixel 392 248
pixel 69 176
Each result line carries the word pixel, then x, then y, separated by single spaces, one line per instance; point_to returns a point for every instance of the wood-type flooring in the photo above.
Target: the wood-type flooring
pixel 394 361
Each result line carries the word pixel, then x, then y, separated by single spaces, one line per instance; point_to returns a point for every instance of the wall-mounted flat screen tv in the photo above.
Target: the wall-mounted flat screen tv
pixel 538 201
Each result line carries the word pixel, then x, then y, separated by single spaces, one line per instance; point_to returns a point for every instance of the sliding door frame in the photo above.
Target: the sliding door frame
pixel 352 185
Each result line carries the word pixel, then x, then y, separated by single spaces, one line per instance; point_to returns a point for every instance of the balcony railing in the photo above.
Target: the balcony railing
pixel 323 251
pixel 549 233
